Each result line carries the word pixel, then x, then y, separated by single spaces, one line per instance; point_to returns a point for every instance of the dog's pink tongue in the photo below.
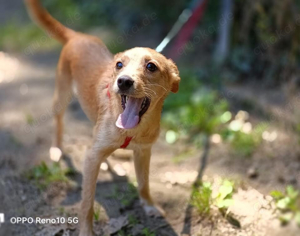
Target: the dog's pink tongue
pixel 130 117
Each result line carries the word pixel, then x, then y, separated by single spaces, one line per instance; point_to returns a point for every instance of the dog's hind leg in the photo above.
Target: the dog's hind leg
pixel 62 97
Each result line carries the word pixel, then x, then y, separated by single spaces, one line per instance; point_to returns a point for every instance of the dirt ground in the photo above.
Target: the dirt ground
pixel 26 89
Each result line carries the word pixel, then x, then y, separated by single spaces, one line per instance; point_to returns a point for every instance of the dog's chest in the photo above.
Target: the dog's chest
pixel 111 136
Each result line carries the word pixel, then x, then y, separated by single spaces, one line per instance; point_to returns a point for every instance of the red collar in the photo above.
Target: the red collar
pixel 127 139
pixel 126 142
pixel 108 93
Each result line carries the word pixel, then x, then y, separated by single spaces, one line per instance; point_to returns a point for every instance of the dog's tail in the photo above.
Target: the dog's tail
pixel 45 20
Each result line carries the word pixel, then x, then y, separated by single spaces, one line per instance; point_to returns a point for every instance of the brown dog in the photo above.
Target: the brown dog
pixel 122 95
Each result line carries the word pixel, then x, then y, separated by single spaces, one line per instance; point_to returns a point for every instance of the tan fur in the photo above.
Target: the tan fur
pixel 86 62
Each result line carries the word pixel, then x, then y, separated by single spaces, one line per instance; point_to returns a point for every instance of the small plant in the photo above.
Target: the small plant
pixel 147 232
pixel 44 175
pixel 61 210
pixel 97 212
pixel 202 198
pixel 288 204
pixel 130 195
pixel 122 233
pixel 29 119
pixel 201 114
pixel 132 220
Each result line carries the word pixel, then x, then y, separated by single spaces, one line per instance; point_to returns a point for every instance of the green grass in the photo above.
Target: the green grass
pixel 97 212
pixel 43 175
pixel 132 220
pixel 122 233
pixel 147 232
pixel 61 210
pixel 130 195
pixel 202 198
pixel 288 205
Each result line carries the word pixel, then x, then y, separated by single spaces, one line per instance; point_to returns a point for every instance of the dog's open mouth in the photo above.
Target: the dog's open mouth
pixel 134 109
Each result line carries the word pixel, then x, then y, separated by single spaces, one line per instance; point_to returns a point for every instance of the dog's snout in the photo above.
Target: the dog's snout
pixel 125 82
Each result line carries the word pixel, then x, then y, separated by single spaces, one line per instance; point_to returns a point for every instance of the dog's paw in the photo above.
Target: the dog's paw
pixel 154 211
pixel 55 154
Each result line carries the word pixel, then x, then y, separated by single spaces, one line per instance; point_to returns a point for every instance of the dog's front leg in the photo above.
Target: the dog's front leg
pixel 94 157
pixel 142 168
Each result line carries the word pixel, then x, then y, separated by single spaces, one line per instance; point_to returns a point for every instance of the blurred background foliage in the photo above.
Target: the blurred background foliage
pixel 264 35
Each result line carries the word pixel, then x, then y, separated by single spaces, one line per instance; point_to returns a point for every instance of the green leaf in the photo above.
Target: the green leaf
pixel 283 203
pixel 225 191
pixel 297 218
pixel 225 203
pixel 277 195
pixel 291 192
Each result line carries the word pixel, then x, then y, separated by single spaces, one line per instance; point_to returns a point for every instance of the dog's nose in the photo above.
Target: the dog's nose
pixel 125 82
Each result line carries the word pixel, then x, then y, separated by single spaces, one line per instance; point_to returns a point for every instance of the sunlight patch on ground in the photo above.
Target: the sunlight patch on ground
pixel 8 68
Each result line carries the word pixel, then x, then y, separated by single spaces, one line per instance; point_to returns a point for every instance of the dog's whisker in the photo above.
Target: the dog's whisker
pixel 147 90
pixel 159 86
pixel 150 90
pixel 148 94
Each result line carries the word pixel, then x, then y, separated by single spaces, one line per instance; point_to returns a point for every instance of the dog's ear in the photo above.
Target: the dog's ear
pixel 174 76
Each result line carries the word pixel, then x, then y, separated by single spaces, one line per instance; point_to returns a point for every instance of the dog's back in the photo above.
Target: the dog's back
pixel 84 58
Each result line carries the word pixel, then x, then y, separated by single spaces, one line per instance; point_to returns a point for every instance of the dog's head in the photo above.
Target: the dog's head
pixel 142 79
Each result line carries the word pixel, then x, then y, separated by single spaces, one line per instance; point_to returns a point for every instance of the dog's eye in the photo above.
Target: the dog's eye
pixel 151 67
pixel 119 65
